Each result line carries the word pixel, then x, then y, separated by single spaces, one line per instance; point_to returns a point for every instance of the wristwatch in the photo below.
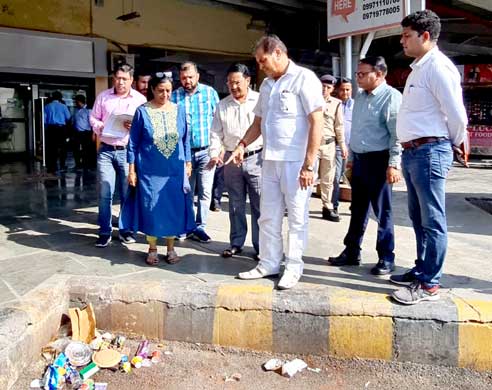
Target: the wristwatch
pixel 309 168
pixel 395 166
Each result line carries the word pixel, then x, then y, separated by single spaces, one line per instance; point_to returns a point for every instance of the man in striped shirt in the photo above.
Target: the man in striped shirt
pixel 199 101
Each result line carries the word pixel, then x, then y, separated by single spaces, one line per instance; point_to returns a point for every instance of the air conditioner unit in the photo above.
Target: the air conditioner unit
pixel 122 58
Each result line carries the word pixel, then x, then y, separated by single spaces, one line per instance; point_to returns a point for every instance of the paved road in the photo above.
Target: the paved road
pixel 197 367
pixel 49 226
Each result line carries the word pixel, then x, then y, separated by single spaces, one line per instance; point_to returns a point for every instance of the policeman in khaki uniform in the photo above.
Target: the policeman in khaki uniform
pixel 333 135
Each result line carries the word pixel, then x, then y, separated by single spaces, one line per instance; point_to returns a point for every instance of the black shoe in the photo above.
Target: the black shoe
pixel 344 259
pixel 382 268
pixel 215 206
pixel 127 238
pixel 200 235
pixel 403 280
pixel 103 240
pixel 330 215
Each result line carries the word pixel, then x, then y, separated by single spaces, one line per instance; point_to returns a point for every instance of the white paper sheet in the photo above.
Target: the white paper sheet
pixel 114 126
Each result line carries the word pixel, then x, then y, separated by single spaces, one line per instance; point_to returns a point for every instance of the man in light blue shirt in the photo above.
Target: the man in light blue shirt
pixel 84 147
pixel 56 118
pixel 375 161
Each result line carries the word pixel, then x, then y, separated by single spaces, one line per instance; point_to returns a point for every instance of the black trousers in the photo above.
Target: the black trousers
pixel 56 146
pixel 84 149
pixel 369 188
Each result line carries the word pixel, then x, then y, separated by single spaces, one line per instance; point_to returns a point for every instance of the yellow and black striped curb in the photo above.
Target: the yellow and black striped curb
pixel 322 321
pixel 336 322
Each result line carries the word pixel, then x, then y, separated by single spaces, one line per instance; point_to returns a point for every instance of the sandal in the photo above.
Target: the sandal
pixel 152 257
pixel 172 257
pixel 229 252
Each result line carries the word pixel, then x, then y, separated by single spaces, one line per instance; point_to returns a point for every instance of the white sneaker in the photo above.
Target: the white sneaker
pixel 256 273
pixel 289 279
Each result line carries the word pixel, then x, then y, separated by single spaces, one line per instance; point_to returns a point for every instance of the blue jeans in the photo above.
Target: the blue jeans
pixel 340 169
pixel 369 188
pixel 239 181
pixel 425 170
pixel 110 163
pixel 202 179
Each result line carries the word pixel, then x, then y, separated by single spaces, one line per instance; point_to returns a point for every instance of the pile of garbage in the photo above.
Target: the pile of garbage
pixel 72 361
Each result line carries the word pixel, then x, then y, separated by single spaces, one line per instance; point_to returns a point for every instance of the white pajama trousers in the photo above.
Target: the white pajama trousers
pixel 280 189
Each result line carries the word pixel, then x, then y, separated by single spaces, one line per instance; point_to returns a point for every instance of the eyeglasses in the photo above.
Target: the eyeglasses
pixel 362 74
pixel 169 75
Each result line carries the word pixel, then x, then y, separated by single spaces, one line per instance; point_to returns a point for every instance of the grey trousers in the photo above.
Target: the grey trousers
pixel 239 181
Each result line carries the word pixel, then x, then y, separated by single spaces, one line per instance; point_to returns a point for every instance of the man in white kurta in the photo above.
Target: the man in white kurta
pixel 289 117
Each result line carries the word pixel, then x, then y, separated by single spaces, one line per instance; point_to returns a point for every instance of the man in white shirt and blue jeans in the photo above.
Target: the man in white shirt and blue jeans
pixel 431 125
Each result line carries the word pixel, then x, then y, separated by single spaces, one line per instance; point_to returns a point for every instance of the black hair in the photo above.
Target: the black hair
pixel 344 80
pixel 422 21
pixel 155 81
pixel 377 62
pixel 239 68
pixel 125 68
pixel 57 95
pixel 141 73
pixel 188 65
pixel 268 43
pixel 80 98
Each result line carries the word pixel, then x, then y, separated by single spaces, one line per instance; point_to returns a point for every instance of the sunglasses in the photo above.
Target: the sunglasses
pixel 169 75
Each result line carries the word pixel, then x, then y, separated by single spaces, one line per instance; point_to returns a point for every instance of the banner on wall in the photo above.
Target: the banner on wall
pixel 351 17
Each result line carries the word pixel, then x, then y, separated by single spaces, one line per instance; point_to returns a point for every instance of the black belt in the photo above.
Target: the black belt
pixel 415 143
pixel 114 147
pixel 199 149
pixel 328 141
pixel 252 152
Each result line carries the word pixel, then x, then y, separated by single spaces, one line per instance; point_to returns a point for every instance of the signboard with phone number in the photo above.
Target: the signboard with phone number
pixel 351 17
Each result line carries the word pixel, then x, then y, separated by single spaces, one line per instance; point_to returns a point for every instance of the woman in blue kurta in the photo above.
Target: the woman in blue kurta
pixel 159 166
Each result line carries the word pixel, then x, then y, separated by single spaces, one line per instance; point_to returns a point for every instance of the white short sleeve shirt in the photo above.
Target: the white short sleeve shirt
pixel 284 106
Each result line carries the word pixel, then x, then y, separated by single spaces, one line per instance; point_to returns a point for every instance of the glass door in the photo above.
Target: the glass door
pixel 39 139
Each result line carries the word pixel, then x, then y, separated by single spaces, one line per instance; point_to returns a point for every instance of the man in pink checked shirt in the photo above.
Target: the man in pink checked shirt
pixel 111 156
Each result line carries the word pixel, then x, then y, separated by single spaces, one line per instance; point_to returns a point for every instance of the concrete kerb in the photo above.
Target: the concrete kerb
pixel 27 326
pixel 321 321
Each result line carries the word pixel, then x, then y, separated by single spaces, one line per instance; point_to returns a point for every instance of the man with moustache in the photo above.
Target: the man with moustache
pixel 431 125
pixel 200 102
pixel 111 156
pixel 289 116
pixel 375 162
pixel 233 117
